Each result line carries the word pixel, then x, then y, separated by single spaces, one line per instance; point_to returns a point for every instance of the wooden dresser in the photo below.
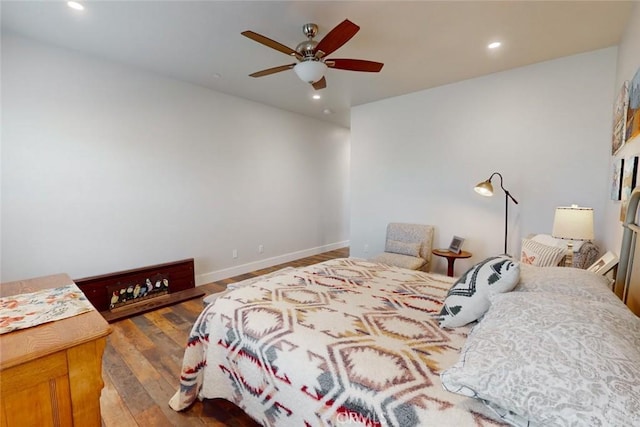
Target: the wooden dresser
pixel 51 374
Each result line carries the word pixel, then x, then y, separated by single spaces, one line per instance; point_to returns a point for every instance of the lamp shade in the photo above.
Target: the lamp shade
pixel 573 223
pixel 484 188
pixel 310 71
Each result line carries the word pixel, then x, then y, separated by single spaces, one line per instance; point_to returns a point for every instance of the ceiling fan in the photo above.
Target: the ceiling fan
pixel 311 55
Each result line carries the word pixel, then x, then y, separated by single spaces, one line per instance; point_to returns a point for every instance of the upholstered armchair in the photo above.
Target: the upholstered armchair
pixel 407 246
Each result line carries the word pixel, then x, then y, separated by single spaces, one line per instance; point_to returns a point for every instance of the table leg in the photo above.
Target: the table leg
pixel 450 262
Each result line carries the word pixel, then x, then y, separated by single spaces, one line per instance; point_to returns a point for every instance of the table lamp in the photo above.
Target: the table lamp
pixel 573 223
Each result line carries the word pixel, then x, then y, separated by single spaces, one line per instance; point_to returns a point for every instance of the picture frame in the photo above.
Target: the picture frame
pixel 604 264
pixel 632 127
pixel 620 119
pixel 616 179
pixel 456 244
pixel 629 182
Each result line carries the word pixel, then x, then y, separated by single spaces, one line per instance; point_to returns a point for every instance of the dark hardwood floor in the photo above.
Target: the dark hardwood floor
pixel 143 357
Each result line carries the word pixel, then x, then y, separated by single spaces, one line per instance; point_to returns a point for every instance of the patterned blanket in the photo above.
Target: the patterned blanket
pixel 344 342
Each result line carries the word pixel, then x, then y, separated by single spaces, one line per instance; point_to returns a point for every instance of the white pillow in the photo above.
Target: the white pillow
pixel 566 281
pixel 534 253
pixel 546 359
pixel 468 298
pixel 548 240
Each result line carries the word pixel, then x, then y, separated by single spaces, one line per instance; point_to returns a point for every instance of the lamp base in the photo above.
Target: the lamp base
pixel 568 259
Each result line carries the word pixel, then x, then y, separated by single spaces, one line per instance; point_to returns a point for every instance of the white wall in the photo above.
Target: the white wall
pixel 545 127
pixel 628 65
pixel 106 167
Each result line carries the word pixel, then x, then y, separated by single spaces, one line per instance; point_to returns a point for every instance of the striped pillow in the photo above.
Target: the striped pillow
pixel 535 253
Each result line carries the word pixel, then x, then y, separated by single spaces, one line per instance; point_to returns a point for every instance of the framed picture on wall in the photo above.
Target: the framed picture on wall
pixel 629 173
pixel 633 110
pixel 620 119
pixel 616 179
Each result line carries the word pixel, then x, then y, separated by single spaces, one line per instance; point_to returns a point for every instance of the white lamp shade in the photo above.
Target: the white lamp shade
pixel 310 71
pixel 573 223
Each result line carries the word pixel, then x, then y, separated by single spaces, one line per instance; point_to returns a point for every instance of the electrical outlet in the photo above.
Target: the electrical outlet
pixel 234 253
pixel 366 248
pixel 260 249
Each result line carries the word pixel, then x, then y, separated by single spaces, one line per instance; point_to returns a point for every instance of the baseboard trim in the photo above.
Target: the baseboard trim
pixel 214 276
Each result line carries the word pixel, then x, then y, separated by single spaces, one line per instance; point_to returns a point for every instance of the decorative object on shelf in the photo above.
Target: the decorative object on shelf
pixel 572 223
pixel 633 111
pixel 122 294
pixel 616 179
pixel 456 244
pixel 620 119
pixel 629 182
pixel 485 188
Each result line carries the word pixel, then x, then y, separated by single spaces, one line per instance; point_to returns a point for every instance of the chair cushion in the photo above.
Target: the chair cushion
pixel 403 248
pixel 412 233
pixel 399 260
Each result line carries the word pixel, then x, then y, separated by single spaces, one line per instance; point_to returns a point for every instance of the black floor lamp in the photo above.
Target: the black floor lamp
pixel 486 189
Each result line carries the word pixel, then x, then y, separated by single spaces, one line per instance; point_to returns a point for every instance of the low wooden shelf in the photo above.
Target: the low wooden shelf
pixel 180 275
pixel 51 374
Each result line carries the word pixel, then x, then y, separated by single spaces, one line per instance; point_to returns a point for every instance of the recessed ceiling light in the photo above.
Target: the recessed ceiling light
pixel 494 45
pixel 316 96
pixel 75 5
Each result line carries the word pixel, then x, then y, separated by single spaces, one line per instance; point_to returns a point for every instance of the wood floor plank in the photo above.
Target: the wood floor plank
pixel 125 382
pixel 178 335
pixel 143 360
pixel 192 308
pixel 135 335
pixel 141 367
pixel 112 404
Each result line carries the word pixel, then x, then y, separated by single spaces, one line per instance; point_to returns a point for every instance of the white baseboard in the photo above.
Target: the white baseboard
pixel 214 276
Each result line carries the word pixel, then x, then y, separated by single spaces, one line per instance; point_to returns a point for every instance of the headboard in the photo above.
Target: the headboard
pixel 627 286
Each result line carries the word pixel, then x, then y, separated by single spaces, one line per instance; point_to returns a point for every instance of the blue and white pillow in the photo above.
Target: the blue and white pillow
pixel 468 298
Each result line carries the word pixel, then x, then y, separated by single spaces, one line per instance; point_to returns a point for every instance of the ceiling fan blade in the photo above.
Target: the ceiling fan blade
pixel 354 65
pixel 335 38
pixel 271 43
pixel 320 84
pixel 272 70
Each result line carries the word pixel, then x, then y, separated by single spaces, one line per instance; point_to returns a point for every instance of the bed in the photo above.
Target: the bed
pixel 353 342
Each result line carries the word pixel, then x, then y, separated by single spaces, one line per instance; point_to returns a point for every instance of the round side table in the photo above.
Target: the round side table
pixel 451 258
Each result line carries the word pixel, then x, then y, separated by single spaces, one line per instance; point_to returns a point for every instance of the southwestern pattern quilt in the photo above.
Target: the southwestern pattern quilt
pixel 344 342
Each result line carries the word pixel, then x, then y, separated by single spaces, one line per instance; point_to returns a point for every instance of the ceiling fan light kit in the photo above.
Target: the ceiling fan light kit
pixel 310 71
pixel 312 64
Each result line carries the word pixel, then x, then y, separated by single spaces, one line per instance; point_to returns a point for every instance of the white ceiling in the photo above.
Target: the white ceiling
pixel 423 44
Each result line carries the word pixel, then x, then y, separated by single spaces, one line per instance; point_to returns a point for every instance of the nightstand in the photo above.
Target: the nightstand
pixel 451 258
